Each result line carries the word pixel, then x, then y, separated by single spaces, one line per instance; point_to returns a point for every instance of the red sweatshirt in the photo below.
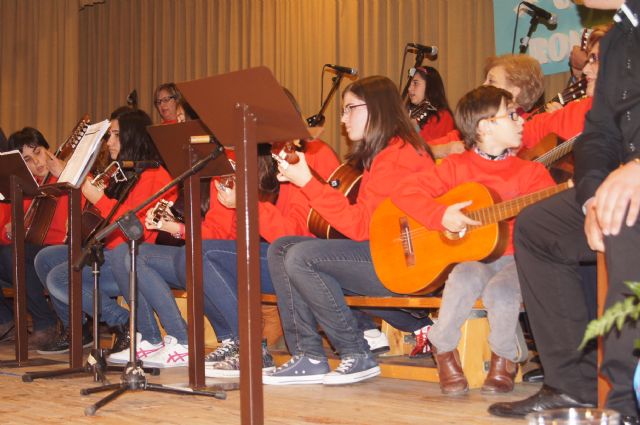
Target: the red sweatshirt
pixel 566 123
pixel 57 230
pixel 396 161
pixel 508 179
pixel 150 182
pixel 289 214
pixel 434 129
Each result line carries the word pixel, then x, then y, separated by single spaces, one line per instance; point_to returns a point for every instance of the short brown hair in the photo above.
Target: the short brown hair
pixel 522 71
pixel 480 103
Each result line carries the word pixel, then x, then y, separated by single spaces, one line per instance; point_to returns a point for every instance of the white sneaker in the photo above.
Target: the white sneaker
pixel 172 354
pixel 144 349
pixel 378 341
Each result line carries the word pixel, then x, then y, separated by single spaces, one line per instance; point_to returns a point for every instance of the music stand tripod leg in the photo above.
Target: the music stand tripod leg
pixel 133 378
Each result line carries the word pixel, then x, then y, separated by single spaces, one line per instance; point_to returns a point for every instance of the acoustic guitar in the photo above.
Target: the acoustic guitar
pixel 411 259
pixel 346 180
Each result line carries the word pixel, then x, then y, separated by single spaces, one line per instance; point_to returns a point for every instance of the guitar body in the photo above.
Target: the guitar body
pixel 346 179
pixel 420 263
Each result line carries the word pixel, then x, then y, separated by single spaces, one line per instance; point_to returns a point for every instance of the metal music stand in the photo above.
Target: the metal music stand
pixel 242 109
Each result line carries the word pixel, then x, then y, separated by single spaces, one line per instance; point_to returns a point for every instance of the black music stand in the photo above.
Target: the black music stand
pixel 16 181
pixel 242 109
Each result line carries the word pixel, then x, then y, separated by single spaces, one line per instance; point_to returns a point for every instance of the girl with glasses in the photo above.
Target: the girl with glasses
pixel 310 275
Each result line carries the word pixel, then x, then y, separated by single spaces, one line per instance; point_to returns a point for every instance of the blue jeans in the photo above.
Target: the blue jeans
pixel 311 277
pixel 51 264
pixel 220 279
pixel 161 268
pixel 41 312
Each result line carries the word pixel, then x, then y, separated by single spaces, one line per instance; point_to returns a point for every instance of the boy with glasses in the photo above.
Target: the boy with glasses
pixel 492 131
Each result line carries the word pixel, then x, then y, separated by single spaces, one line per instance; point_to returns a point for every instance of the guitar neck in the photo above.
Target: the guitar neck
pixel 558 152
pixel 511 208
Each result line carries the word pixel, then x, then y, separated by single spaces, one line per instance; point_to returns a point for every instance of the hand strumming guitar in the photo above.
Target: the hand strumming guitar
pixel 298 174
pixel 455 221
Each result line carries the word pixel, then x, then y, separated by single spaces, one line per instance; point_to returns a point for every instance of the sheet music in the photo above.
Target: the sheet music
pixel 84 154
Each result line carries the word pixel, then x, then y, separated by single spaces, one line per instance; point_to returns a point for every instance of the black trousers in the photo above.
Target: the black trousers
pixel 550 245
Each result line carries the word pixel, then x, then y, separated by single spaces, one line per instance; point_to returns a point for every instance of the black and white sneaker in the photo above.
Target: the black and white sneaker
pixel 298 370
pixel 351 370
pixel 377 340
pixel 228 349
pixel 60 344
pixel 230 368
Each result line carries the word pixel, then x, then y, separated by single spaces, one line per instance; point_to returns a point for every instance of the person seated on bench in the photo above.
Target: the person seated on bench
pixel 282 211
pixel 311 275
pixel 492 131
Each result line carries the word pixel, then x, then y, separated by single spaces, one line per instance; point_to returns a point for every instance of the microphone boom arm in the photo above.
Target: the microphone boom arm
pixel 318 119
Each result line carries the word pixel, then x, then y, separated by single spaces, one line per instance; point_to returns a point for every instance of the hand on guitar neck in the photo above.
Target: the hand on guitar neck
pixel 161 218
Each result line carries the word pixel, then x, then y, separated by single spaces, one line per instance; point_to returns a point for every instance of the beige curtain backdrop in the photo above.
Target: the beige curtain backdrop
pixel 61 58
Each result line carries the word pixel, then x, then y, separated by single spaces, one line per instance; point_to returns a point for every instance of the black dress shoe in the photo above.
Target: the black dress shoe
pixel 629 420
pixel 534 376
pixel 547 398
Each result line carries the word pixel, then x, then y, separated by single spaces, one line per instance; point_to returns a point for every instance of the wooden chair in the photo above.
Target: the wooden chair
pixel 603 283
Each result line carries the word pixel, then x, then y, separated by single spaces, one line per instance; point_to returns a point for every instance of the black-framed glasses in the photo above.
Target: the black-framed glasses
pixel 165 99
pixel 348 108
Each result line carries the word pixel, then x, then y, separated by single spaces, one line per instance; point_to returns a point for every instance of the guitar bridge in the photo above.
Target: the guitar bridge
pixel 407 243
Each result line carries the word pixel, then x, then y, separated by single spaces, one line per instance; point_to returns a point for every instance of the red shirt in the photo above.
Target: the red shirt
pixel 508 179
pixel 396 161
pixel 434 129
pixel 289 214
pixel 57 233
pixel 149 182
pixel 566 123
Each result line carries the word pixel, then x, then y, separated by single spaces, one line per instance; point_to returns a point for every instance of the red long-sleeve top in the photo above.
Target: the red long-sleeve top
pixel 396 161
pixel 149 182
pixel 566 123
pixel 434 129
pixel 506 179
pixel 57 233
pixel 287 217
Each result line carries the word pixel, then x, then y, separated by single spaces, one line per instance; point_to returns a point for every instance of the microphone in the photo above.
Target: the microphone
pixel 138 165
pixel 430 50
pixel 343 69
pixel 541 13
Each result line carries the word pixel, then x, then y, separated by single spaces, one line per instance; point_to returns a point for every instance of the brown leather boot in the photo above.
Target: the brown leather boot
pixel 501 375
pixel 452 379
pixel 271 327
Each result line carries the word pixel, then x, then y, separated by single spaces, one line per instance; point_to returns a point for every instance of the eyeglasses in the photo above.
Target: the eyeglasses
pixel 593 58
pixel 514 115
pixel 165 99
pixel 347 109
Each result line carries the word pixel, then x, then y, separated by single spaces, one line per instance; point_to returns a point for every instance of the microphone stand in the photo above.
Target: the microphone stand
pixel 93 255
pixel 318 119
pixel 418 63
pixel 133 378
pixel 524 41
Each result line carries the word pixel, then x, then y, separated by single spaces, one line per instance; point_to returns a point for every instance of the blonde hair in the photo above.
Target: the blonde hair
pixel 521 71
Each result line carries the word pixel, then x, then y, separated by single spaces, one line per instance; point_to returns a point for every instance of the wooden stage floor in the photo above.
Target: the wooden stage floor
pixel 378 401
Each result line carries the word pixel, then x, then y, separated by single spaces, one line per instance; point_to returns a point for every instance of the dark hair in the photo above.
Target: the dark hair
pixel 434 89
pixel 29 137
pixel 387 119
pixel 521 71
pixel 135 142
pixel 480 103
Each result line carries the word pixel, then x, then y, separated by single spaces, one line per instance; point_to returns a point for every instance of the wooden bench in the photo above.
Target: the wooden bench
pixel 475 353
